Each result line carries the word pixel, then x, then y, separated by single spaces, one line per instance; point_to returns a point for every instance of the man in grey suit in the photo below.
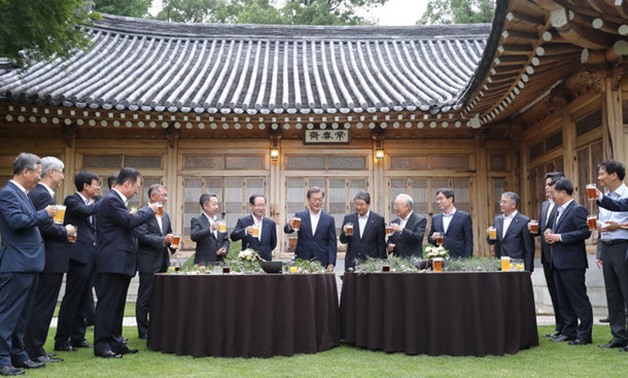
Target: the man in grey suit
pixel 513 237
pixel 22 257
pixel 211 245
pixel 408 229
pixel 153 255
pixel 368 232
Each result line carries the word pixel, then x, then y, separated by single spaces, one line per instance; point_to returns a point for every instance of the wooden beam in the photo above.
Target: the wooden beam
pixel 514 49
pixel 556 49
pixel 576 33
pixel 517 17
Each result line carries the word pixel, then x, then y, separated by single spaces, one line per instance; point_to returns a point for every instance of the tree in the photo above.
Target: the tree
pixel 41 29
pixel 130 8
pixel 188 10
pixel 458 12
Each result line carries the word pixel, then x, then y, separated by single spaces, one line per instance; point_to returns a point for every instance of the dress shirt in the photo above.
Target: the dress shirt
pixel 507 221
pixel 124 199
pixel 615 216
pixel 447 219
pixel 49 189
pixel 362 222
pixel 314 218
pixel 402 221
pixel 549 213
pixel 211 223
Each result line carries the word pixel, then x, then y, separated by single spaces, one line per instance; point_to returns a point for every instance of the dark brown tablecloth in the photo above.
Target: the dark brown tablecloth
pixel 256 315
pixel 450 313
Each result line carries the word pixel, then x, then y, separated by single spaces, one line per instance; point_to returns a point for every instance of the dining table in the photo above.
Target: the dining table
pixel 244 315
pixel 446 313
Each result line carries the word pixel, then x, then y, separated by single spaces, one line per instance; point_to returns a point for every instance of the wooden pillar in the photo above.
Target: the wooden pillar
pixel 612 122
pixel 481 198
pixel 569 146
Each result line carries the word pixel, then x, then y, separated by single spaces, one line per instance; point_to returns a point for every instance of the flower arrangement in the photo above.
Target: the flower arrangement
pixel 307 266
pixel 431 251
pixel 249 254
pixel 247 262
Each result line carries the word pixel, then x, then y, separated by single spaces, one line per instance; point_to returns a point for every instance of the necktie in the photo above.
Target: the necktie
pixel 559 212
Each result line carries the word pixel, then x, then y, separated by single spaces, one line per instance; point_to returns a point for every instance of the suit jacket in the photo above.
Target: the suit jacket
pixel 153 256
pixel 373 240
pixel 518 242
pixel 409 241
pixel 570 252
pixel 613 205
pixel 206 243
pixel 546 252
pixel 77 213
pixel 321 245
pixel 55 235
pixel 269 236
pixel 22 247
pixel 116 249
pixel 459 236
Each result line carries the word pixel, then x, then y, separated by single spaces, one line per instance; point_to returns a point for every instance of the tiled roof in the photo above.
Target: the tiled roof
pixel 147 65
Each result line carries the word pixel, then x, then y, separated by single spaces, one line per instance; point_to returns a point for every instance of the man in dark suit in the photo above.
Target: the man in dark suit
pixel 116 261
pixel 408 229
pixel 81 209
pixel 569 262
pixel 547 212
pixel 453 224
pixel 212 245
pixel 255 230
pixel 368 232
pixel 22 257
pixel 153 255
pixel 317 231
pixel 611 251
pixel 513 237
pixel 57 261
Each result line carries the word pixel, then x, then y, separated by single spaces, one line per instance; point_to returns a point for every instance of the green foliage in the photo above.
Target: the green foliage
pixel 458 12
pixel 404 265
pixel 188 10
pixel 41 29
pixel 130 8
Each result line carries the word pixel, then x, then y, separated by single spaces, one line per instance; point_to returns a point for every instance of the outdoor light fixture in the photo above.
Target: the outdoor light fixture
pixel 274 148
pixel 378 135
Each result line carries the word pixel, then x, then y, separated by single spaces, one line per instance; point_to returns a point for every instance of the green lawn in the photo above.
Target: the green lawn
pixel 550 359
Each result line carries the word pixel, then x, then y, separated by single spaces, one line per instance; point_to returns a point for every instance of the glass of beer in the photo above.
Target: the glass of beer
pixel 222 226
pixel 176 239
pixel 388 229
pixel 226 269
pixel 255 231
pixel 519 265
pixel 492 233
pixel 533 226
pixel 591 192
pixel 72 237
pixel 437 264
pixel 296 223
pixel 385 268
pixel 60 216
pixel 439 238
pixel 505 263
pixel 592 222
pixel 160 209
pixel 349 229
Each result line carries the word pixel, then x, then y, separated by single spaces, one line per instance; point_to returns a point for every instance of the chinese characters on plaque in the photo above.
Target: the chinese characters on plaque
pixel 326 136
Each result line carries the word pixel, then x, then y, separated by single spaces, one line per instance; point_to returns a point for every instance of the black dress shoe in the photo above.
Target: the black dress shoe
pixel 604 320
pixel 624 349
pixel 10 370
pixel 613 344
pixel 46 358
pixel 30 364
pixel 580 342
pixel 81 344
pixel 553 334
pixel 107 354
pixel 65 347
pixel 561 338
pixel 126 350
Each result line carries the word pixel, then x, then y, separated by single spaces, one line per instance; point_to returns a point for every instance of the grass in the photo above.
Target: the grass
pixel 550 359
pixel 129 310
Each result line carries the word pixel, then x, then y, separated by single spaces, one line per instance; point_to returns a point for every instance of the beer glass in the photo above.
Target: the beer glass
pixel 296 223
pixel 505 263
pixel 439 238
pixel 60 216
pixel 437 264
pixel 533 226
pixel 388 229
pixel 591 192
pixel 72 237
pixel 176 239
pixel 255 231
pixel 349 229
pixel 592 222
pixel 160 209
pixel 222 226
pixel 492 233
